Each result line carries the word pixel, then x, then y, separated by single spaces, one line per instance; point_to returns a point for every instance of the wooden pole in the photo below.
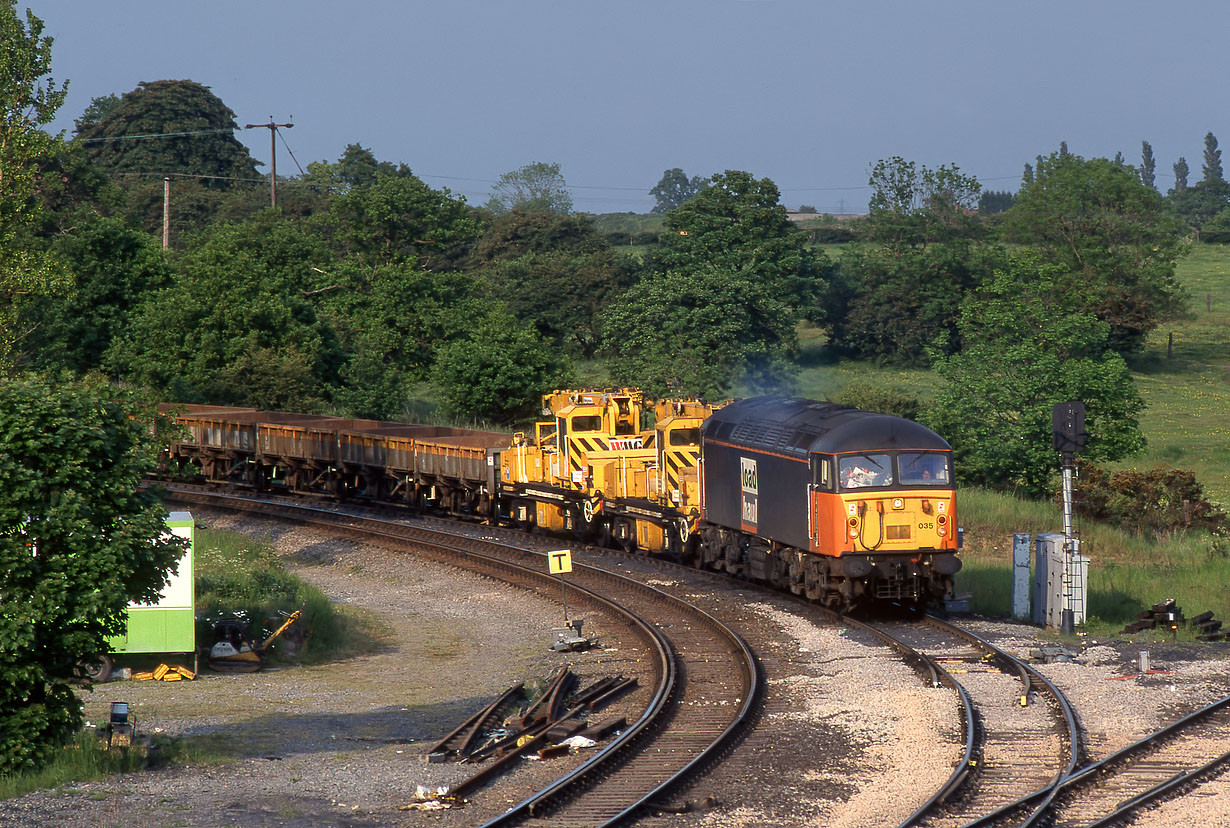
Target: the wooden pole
pixel 166 212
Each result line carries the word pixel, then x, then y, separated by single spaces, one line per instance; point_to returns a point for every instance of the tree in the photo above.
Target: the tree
pixel 116 268
pixel 913 205
pixel 1212 163
pixel 357 167
pixel 893 305
pixel 28 100
pixel 675 188
pixel 1198 204
pixel 188 131
pixel 1103 224
pixel 556 272
pixel 893 298
pixel 498 371
pixel 78 541
pixel 239 324
pixel 1028 344
pixel 538 186
pixel 1118 159
pixel 395 217
pixel 737 225
pixel 994 201
pixel 100 108
pixel 1148 165
pixel 1180 175
pixel 391 322
pixel 699 332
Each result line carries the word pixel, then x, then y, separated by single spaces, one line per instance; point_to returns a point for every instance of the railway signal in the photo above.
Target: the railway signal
pixel 1068 437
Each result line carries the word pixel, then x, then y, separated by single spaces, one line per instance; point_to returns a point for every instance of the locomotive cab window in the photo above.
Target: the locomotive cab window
pixel 685 437
pixel 862 470
pixel 923 469
pixel 589 423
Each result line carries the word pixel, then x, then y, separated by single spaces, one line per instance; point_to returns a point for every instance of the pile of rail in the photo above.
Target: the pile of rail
pixel 1168 615
pixel 560 713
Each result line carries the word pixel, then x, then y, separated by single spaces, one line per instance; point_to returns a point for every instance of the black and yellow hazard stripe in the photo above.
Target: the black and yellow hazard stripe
pixel 579 446
pixel 674 460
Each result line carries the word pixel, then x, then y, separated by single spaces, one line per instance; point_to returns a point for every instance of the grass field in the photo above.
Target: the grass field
pixel 1187 421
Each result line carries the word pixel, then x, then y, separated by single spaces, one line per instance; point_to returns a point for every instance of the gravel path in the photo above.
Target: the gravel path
pixel 847 737
pixel 339 744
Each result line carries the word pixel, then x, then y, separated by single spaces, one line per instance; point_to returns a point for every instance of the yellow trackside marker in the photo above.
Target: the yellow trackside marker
pixel 1024 701
pixel 559 561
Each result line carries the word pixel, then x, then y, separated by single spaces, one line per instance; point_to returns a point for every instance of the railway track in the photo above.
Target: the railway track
pixel 1026 735
pixel 707 681
pixel 1154 769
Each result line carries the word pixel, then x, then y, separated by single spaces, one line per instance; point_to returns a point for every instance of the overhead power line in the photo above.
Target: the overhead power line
pixel 155 135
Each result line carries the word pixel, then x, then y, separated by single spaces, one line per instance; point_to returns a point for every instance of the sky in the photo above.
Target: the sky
pixel 807 93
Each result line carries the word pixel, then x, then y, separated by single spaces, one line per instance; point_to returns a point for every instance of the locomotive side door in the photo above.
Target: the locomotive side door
pixel 819 505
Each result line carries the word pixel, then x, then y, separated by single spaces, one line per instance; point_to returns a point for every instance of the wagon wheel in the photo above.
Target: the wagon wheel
pixel 95 669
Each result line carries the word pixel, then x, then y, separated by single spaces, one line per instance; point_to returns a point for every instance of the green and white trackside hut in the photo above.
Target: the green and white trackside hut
pixel 169 624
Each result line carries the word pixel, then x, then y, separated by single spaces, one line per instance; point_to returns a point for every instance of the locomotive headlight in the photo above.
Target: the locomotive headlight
pixel 898 503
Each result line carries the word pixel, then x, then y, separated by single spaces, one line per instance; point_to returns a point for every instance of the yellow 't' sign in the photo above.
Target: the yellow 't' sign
pixel 559 561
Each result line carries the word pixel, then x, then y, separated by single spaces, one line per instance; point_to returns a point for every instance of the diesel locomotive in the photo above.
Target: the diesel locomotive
pixel 847 507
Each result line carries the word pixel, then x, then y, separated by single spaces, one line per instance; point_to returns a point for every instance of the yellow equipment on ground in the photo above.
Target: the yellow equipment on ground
pixel 233 651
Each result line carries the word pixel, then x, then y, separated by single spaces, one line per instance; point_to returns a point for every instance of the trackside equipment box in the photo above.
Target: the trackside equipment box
pixel 169 625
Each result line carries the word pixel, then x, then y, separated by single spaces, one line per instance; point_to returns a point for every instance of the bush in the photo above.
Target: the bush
pixel 832 234
pixel 872 396
pixel 1161 500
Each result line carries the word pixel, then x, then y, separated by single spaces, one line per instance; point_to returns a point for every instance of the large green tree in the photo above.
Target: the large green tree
pixel 240 324
pixel 78 541
pixel 702 331
pixel 674 189
pixel 115 268
pixel 391 322
pixel 395 217
pixel 901 292
pixel 29 99
pixel 738 225
pixel 556 272
pixel 498 371
pixel 913 206
pixel 1110 230
pixel 537 186
pixel 169 127
pixel 1029 341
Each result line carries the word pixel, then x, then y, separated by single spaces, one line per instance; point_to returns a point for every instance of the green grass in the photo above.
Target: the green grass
pixel 238 575
pixel 1187 422
pixel 1127 572
pixel 87 759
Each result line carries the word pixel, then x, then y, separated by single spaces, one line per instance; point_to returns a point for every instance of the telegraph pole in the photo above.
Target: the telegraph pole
pixel 273 154
pixel 166 212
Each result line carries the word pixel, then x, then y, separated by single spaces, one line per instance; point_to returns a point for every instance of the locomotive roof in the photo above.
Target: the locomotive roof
pixel 797 426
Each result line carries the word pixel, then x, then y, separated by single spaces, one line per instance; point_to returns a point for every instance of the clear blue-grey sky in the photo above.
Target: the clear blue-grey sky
pixel 807 93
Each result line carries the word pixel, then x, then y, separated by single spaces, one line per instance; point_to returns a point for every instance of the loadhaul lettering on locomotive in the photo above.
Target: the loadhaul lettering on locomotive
pixel 751 492
pixel 862 505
